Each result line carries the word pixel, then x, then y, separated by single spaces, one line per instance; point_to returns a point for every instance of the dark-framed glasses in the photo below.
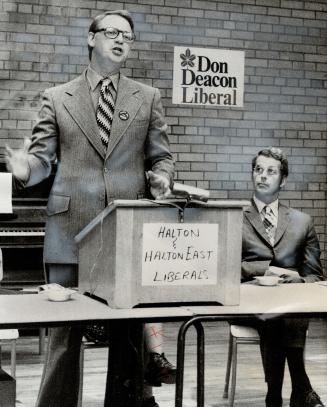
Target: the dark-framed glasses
pixel 112 33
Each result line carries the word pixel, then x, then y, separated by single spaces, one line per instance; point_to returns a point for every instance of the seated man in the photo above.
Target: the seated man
pixel 275 235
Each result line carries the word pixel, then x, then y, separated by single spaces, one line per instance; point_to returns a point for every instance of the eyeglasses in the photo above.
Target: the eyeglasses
pixel 259 170
pixel 112 33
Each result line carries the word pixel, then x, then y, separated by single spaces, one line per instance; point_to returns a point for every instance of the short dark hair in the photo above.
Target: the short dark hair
pixel 275 153
pixel 95 23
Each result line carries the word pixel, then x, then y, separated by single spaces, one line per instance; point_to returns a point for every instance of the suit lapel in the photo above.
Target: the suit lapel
pixel 128 102
pixel 283 220
pixel 253 216
pixel 79 105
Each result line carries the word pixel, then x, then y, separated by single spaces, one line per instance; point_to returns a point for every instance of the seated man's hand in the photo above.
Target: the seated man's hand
pixel 17 161
pixel 159 185
pixel 291 279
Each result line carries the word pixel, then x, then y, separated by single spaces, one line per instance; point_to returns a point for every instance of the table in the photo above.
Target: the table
pixel 26 310
pixel 285 300
pixel 35 310
pixel 308 299
pixel 288 300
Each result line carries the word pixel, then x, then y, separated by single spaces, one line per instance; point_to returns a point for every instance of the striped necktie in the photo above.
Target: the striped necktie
pixel 269 222
pixel 105 110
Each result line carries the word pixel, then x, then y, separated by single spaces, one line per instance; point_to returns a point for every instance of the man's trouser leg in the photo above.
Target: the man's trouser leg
pixel 60 379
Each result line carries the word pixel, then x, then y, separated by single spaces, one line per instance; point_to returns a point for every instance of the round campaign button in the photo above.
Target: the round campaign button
pixel 123 115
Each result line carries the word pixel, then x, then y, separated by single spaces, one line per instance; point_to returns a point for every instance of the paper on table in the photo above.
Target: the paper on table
pixel 279 271
pixel 5 192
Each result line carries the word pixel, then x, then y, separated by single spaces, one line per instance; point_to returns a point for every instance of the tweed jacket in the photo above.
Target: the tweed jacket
pixel 88 176
pixel 296 244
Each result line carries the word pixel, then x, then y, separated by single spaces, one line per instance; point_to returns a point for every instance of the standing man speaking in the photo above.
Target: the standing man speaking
pixel 105 132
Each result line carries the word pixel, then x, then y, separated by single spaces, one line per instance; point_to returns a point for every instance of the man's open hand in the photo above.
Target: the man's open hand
pixel 17 161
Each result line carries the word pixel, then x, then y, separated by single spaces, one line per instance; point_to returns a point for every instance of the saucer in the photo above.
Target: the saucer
pixel 268 280
pixel 60 295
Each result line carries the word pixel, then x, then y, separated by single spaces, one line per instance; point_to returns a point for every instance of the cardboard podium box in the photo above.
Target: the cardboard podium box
pixel 7 390
pixel 147 252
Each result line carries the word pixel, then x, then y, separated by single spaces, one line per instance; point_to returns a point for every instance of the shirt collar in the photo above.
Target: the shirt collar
pixel 94 78
pixel 260 205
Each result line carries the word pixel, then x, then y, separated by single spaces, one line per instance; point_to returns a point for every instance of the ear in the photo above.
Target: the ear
pixel 283 182
pixel 90 39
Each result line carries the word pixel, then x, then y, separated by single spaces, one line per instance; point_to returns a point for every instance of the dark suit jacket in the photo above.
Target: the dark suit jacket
pixel 296 245
pixel 87 176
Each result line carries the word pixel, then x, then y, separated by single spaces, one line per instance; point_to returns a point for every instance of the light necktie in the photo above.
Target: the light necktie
pixel 105 110
pixel 269 222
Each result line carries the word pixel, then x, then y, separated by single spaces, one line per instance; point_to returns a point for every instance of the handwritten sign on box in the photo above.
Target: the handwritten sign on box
pixel 179 254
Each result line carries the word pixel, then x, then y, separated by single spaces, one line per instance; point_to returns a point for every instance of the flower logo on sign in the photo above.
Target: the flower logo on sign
pixel 187 59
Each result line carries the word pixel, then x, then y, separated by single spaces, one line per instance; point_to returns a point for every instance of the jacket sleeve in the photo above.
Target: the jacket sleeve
pixel 311 269
pixel 250 269
pixel 42 151
pixel 157 153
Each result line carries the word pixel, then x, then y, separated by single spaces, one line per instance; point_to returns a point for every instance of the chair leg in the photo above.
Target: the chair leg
pixel 13 358
pixel 229 362
pixel 81 374
pixel 234 365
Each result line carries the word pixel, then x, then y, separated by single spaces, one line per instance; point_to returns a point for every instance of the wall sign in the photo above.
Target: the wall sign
pixel 211 77
pixel 179 254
